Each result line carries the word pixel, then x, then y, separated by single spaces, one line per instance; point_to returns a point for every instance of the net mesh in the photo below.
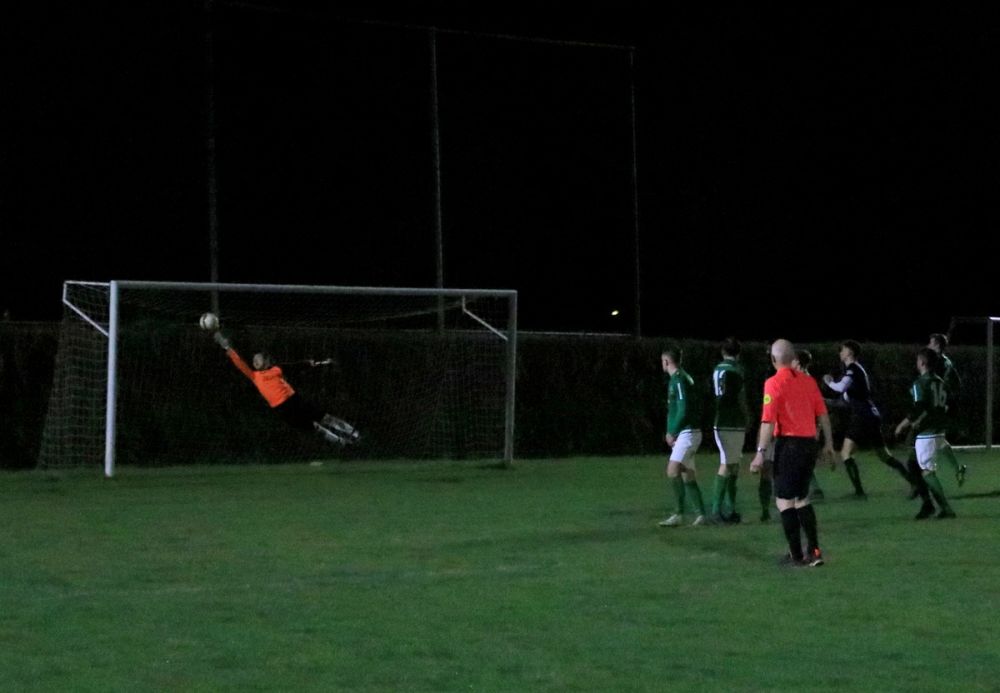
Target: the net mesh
pixel 419 376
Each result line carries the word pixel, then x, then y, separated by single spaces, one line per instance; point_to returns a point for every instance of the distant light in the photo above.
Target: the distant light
pixel 614 313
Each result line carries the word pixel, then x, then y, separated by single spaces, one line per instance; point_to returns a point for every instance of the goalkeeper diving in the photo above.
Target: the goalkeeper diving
pixel 269 379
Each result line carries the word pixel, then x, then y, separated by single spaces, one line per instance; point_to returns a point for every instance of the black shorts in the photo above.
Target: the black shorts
pixel 865 428
pixel 298 413
pixel 794 463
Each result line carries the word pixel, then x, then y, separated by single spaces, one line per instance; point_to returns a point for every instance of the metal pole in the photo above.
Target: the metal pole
pixel 509 408
pixel 312 289
pixel 111 395
pixel 989 384
pixel 635 196
pixel 213 200
pixel 436 154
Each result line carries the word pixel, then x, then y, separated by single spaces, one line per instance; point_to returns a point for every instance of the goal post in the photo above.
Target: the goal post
pixel 422 373
pixel 972 345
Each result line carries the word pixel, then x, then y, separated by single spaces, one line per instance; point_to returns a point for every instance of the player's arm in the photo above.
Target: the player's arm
pixel 675 422
pixel 240 364
pixel 766 434
pixel 917 414
pixel 297 366
pixel 307 364
pixel 824 425
pixel 764 438
pixel 838 385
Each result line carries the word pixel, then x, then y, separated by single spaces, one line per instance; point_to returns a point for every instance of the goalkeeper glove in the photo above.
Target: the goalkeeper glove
pixel 221 340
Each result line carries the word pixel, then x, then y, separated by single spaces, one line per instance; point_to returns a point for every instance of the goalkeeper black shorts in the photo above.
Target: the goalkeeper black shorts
pixel 298 413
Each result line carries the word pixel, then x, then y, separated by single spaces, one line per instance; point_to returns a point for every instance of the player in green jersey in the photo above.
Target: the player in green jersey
pixel 945 369
pixel 730 427
pixel 683 436
pixel 928 421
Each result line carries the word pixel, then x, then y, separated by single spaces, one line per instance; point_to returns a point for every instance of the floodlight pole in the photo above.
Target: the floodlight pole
pixel 212 182
pixel 635 195
pixel 436 142
pixel 989 383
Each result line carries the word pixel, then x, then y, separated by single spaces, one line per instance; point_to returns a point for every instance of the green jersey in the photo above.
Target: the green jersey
pixel 683 404
pixel 946 370
pixel 930 405
pixel 728 383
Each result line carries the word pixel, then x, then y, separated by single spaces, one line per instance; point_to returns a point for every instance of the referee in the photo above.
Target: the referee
pixel 792 405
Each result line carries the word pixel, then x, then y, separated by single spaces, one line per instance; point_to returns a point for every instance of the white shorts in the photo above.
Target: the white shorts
pixel 685 446
pixel 927 449
pixel 730 446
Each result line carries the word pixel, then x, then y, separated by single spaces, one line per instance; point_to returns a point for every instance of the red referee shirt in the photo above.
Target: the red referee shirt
pixel 792 401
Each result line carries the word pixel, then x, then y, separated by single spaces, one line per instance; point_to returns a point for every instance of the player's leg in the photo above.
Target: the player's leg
pixel 953 433
pixel 794 465
pixel 681 458
pixel 692 441
pixel 340 426
pixel 887 458
pixel 731 487
pixel 921 489
pixel 803 506
pixel 948 455
pixel 850 466
pixel 302 416
pixel 311 416
pixel 329 435
pixel 734 460
pixel 730 445
pixel 927 450
pixel 721 478
pixel 765 487
pixel 676 483
pixel 785 481
pixel 815 490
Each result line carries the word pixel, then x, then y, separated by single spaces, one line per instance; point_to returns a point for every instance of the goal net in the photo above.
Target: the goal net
pixel 973 350
pixel 420 373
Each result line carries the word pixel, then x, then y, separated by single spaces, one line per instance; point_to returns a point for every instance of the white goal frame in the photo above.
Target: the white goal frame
pixel 508 334
pixel 988 321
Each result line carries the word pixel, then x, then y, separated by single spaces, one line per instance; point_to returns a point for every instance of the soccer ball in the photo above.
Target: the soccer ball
pixel 209 321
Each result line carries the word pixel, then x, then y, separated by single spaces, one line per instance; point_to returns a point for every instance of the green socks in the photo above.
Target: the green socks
pixel 731 490
pixel 695 492
pixel 719 493
pixel 934 484
pixel 723 489
pixel 947 453
pixel 678 485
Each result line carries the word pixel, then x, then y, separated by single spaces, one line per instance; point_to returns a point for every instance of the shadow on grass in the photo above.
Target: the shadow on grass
pixel 987 494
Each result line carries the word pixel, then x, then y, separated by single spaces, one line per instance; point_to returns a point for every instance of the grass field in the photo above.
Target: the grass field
pixel 435 577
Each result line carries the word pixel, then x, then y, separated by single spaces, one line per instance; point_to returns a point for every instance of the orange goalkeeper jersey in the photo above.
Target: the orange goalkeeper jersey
pixel 270 382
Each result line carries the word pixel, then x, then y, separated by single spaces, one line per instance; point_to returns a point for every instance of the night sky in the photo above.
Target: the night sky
pixel 815 173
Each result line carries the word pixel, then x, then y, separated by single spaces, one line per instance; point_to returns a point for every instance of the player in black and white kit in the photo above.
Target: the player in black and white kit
pixel 864 425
